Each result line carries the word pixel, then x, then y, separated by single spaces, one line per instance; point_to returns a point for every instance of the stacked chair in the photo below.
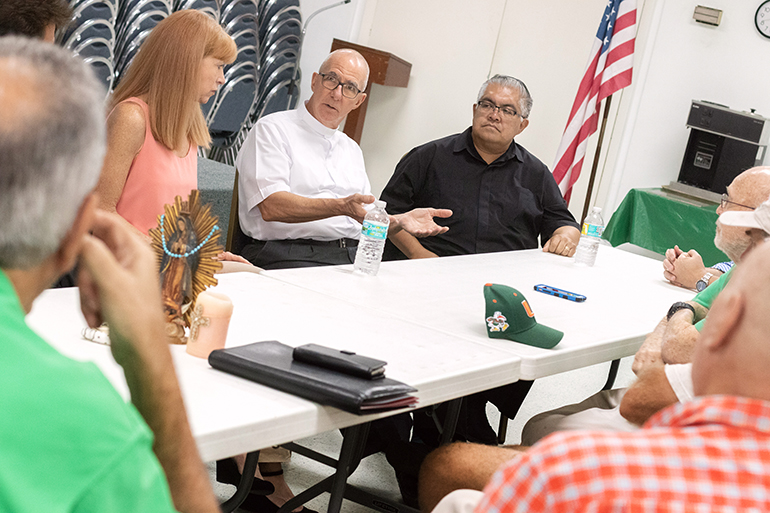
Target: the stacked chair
pixel 136 19
pixel 91 34
pixel 274 41
pixel 263 79
pixel 210 7
pixel 281 41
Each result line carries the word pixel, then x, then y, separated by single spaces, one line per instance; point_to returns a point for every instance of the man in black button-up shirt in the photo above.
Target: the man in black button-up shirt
pixel 503 197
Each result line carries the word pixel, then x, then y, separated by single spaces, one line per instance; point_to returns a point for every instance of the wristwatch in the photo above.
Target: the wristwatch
pixel 679 305
pixel 703 282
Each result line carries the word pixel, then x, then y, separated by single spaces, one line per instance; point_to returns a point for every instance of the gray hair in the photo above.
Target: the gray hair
pixel 52 143
pixel 525 99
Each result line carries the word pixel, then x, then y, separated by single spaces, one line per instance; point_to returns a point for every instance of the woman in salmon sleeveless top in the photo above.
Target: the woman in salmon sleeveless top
pixel 156 124
pixel 153 132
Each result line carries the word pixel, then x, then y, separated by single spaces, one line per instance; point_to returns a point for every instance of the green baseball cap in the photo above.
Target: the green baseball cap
pixel 509 316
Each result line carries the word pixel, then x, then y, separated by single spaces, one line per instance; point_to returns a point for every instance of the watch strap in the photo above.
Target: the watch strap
pixel 679 305
pixel 703 282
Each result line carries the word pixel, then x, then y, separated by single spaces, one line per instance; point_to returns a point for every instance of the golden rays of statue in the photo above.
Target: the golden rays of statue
pixel 185 243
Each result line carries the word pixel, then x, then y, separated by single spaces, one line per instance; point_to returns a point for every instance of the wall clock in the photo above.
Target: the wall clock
pixel 762 18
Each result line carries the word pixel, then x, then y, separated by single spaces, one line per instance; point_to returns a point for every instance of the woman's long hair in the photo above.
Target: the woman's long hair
pixel 167 70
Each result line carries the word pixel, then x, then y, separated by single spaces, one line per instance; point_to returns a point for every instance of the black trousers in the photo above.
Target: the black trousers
pixel 473 425
pixel 287 254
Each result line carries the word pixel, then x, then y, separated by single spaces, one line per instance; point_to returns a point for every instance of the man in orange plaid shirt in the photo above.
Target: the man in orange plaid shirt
pixel 710 454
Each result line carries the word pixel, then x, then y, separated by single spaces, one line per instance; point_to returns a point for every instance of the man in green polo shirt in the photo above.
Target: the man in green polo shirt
pixel 69 443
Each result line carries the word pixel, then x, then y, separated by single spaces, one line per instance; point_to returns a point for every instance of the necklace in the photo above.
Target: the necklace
pixel 188 253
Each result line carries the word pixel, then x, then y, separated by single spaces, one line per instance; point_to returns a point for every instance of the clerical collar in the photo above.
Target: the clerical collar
pixel 313 123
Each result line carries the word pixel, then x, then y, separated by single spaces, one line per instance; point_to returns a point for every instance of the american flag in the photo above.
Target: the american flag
pixel 609 70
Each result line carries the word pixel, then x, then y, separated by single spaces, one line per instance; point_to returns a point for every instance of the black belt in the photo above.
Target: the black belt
pixel 340 243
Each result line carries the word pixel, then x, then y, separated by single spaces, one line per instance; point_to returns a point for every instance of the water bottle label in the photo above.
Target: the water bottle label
pixel 593 230
pixel 374 230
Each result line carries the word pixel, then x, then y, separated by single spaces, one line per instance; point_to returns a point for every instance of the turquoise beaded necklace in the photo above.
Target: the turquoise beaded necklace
pixel 185 255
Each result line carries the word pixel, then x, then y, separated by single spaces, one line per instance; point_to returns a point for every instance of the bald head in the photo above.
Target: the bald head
pixel 750 188
pixel 350 59
pixel 733 352
pixel 52 145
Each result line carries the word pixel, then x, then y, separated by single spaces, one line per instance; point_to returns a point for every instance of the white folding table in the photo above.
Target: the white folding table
pixel 627 296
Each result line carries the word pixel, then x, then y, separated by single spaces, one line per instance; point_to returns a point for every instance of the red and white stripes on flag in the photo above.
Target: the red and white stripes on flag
pixel 609 70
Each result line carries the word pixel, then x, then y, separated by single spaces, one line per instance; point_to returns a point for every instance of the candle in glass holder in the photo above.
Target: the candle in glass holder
pixel 209 322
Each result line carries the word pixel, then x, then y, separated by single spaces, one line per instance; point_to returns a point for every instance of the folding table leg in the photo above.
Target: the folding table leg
pixel 350 457
pixel 244 486
pixel 450 421
pixel 612 375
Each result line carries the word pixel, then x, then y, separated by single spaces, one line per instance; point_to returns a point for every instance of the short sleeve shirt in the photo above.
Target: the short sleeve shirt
pixel 291 151
pixel 502 206
pixel 69 441
pixel 707 296
pixel 680 378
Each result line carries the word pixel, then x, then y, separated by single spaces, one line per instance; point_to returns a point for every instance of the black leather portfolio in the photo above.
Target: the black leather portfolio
pixel 271 363
pixel 340 361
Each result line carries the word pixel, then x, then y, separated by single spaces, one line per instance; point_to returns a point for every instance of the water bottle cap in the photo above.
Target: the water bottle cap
pixel 597 209
pixel 380 204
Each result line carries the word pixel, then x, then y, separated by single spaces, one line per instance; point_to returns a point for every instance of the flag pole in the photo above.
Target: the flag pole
pixel 595 164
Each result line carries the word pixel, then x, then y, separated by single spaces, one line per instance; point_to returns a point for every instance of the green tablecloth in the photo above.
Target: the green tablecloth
pixel 657 220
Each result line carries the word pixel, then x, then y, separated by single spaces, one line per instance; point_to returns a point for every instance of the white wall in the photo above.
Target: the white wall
pixel 450 45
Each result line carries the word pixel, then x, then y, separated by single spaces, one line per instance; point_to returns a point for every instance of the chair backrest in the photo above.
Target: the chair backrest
pixel 270 8
pixel 210 7
pixel 275 100
pixel 278 59
pixel 130 9
pixel 75 4
pixel 285 26
pixel 287 41
pixel 232 72
pixel 138 22
pixel 93 9
pixel 280 74
pixel 234 8
pixel 137 32
pixel 246 21
pixel 236 239
pixel 89 29
pixel 103 70
pixel 246 38
pixel 267 24
pixel 94 47
pixel 126 57
pixel 234 105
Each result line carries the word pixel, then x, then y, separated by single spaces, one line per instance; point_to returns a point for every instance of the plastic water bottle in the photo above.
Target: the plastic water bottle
pixel 374 232
pixel 590 238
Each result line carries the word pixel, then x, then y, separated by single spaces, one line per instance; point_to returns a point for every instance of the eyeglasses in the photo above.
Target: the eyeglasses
pixel 331 82
pixel 726 201
pixel 487 106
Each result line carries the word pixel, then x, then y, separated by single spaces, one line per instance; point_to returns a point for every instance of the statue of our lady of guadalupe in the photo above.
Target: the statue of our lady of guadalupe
pixel 185 242
pixel 177 268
